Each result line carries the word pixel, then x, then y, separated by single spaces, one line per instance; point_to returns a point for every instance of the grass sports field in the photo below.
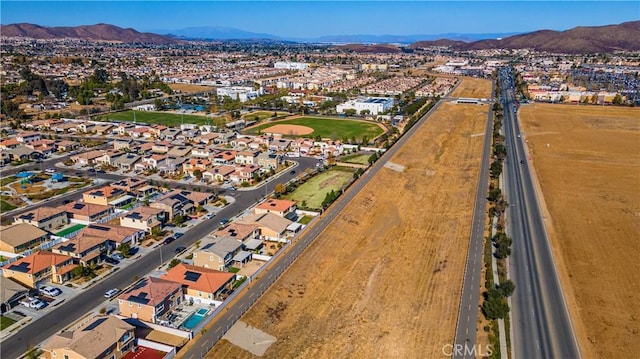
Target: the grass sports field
pixel 336 128
pixel 161 118
pixel 360 159
pixel 314 190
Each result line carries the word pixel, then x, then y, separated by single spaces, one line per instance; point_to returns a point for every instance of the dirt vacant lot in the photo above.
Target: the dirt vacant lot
pixel 384 279
pixel 587 160
pixel 473 88
pixel 188 88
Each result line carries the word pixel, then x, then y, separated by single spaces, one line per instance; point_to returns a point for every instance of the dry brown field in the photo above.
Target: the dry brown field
pixel 187 88
pixel 472 88
pixel 587 161
pixel 384 278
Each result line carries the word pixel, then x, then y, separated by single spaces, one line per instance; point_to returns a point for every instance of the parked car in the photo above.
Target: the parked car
pixel 224 221
pixel 111 293
pixel 50 170
pixel 117 256
pixel 37 304
pixel 168 240
pixel 209 215
pixel 111 261
pixel 50 291
pixel 180 249
pixel 522 161
pixel 101 171
pixel 91 169
pixel 178 235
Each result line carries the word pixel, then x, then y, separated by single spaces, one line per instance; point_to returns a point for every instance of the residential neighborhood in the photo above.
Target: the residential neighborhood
pixel 151 193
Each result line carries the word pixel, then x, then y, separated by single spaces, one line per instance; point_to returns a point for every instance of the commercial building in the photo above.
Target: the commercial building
pixel 375 105
pixel 286 65
pixel 241 93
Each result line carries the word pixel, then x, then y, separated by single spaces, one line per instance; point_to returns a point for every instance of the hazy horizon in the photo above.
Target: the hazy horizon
pixel 320 18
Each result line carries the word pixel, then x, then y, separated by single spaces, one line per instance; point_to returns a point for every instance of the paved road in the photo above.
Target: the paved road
pixel 244 301
pixel 540 322
pixel 467 325
pixel 66 313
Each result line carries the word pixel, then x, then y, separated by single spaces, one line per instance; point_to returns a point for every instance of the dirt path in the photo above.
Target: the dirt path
pixel 384 279
pixel 587 161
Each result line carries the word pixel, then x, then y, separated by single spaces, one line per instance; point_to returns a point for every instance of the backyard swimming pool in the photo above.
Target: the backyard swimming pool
pixel 195 318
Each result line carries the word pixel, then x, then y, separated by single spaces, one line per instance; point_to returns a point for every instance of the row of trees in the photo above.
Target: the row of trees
pixel 495 304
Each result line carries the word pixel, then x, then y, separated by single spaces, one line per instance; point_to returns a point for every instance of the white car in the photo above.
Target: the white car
pixel 50 170
pixel 37 304
pixel 111 293
pixel 50 291
pixel 117 256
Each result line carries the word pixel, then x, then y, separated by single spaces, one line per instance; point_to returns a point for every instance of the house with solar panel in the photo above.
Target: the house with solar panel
pixel 144 218
pixel 45 217
pixel 87 212
pixel 221 253
pixel 84 249
pixel 150 299
pixel 40 266
pixel 202 285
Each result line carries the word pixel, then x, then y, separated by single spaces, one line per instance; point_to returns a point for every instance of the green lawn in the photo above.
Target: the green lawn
pixel 336 128
pixel 6 322
pixel 6 206
pixel 71 229
pixel 357 159
pixel 162 118
pixel 234 269
pixel 6 180
pixel 314 190
pixel 261 115
pixel 305 220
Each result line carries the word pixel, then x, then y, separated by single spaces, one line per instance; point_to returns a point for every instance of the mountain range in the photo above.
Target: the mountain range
pixel 98 32
pixel 583 39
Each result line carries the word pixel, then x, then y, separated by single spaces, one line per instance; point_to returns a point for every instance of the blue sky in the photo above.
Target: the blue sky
pixel 317 18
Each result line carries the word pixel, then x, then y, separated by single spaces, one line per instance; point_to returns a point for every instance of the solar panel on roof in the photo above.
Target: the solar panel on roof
pixel 78 206
pixel 192 276
pixel 99 228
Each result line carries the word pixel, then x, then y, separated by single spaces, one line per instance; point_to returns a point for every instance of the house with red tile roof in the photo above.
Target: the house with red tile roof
pixel 281 207
pixel 202 285
pixel 40 266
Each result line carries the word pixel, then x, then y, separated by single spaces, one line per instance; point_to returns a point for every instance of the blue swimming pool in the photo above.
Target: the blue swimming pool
pixel 195 318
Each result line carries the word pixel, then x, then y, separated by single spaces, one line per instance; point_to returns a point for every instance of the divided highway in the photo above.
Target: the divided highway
pixel 467 324
pixel 540 323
